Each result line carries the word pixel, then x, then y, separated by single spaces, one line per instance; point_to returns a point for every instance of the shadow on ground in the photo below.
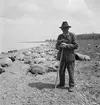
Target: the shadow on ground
pixel 41 86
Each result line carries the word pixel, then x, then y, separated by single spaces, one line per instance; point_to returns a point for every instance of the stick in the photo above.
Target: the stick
pixel 58 69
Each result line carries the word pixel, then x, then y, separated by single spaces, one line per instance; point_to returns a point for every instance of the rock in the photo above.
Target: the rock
pixel 28 53
pixel 51 68
pixel 50 58
pixel 40 51
pixel 89 44
pixel 97 54
pixel 5 62
pixel 38 69
pixel 35 55
pixel 1 70
pixel 87 58
pixel 27 61
pixel 20 57
pixel 11 51
pixel 79 56
pixel 12 58
pixel 97 46
pixel 30 49
pixel 50 53
pixel 56 64
pixel 39 60
pixel 43 54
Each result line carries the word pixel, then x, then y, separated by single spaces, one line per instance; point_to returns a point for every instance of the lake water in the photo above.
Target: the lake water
pixel 18 46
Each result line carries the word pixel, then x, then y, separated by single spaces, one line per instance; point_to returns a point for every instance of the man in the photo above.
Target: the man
pixel 66 44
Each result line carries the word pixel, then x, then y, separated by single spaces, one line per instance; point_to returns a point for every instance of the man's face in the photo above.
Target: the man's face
pixel 65 29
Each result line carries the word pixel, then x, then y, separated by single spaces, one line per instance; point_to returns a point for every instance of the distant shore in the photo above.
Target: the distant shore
pixel 24 46
pixel 12 52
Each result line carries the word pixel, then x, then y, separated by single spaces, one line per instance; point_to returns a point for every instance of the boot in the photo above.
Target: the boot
pixel 60 86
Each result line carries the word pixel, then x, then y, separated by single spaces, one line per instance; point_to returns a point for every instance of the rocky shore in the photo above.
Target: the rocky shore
pixel 27 77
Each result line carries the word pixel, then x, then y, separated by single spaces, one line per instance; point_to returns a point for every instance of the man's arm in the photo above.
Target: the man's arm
pixel 73 45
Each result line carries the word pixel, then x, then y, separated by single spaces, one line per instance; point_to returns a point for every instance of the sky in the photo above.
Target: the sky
pixel 28 20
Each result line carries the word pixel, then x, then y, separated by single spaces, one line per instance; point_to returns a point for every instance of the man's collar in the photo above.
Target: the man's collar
pixel 65 34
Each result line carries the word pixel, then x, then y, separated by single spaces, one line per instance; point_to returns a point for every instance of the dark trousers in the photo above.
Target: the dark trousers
pixel 70 68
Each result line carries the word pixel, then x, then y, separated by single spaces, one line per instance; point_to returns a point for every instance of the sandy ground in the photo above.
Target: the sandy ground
pixel 19 88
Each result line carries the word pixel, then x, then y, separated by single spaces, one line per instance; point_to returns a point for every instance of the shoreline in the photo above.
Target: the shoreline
pixel 6 54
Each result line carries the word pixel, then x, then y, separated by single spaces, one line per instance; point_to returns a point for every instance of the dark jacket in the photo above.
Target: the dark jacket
pixel 68 52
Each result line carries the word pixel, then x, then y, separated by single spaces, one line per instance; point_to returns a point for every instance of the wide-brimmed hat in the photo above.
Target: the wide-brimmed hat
pixel 65 24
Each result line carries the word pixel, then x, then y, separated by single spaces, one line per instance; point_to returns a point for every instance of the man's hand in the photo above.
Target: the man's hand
pixel 63 41
pixel 63 45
